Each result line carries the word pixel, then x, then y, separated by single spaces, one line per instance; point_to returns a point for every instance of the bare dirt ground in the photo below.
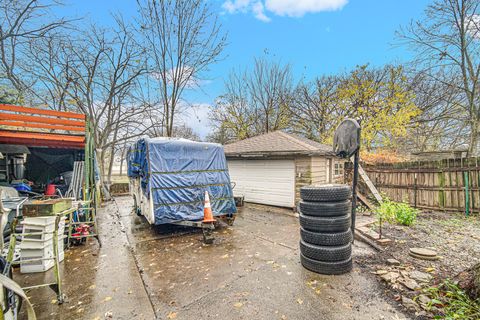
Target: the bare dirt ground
pixel 454 237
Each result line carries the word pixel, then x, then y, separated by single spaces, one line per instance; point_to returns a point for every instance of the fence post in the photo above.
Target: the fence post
pixel 467 196
pixel 415 190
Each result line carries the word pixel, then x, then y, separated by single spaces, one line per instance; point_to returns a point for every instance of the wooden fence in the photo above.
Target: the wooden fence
pixel 446 185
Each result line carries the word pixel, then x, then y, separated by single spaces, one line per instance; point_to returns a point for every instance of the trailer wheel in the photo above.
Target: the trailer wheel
pixel 136 208
pixel 230 220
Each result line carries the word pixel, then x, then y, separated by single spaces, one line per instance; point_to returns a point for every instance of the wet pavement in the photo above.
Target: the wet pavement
pixel 251 271
pixel 99 282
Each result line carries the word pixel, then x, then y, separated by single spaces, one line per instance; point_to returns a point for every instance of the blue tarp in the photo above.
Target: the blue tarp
pixel 177 172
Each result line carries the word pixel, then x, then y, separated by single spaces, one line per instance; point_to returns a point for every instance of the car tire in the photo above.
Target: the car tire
pixel 325 193
pixel 325 253
pixel 325 224
pixel 329 268
pixel 326 239
pixel 325 209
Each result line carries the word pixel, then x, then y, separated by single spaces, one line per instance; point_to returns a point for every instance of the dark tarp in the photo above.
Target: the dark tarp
pixel 177 172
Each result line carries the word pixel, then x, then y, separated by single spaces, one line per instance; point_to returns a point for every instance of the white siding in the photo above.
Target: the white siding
pixel 320 170
pixel 270 182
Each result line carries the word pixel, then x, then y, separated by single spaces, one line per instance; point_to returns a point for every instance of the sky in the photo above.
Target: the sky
pixel 316 37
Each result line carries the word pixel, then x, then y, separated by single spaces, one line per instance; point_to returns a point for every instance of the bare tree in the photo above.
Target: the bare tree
pixel 21 21
pixel 316 106
pixel 447 42
pixel 183 39
pixel 255 101
pixel 232 113
pixel 270 89
pixel 100 73
pixel 441 123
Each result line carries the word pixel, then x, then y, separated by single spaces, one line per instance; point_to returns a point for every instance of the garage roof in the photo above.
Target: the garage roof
pixel 276 143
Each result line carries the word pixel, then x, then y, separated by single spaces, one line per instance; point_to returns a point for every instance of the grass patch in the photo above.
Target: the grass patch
pixel 448 301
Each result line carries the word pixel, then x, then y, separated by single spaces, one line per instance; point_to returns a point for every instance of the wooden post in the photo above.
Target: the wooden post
pixel 415 190
pixel 467 196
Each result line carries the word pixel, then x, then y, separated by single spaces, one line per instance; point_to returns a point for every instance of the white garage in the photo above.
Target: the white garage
pixel 269 182
pixel 271 168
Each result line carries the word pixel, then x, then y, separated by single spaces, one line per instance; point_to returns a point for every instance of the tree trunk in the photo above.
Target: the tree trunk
pixel 110 164
pixel 122 157
pixel 472 148
pixel 469 281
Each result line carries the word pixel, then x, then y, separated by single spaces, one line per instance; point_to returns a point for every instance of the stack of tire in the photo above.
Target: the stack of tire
pixel 325 220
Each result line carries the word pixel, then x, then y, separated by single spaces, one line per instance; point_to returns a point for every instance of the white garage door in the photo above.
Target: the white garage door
pixel 269 182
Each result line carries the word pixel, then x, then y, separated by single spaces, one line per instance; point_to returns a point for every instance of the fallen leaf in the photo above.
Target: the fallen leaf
pixel 299 301
pixel 107 299
pixel 238 305
pixel 172 315
pixel 92 287
pixel 54 301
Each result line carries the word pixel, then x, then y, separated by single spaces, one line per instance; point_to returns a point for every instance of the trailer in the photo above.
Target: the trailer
pixel 168 178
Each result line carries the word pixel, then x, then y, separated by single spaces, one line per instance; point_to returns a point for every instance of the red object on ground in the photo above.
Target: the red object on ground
pixel 50 191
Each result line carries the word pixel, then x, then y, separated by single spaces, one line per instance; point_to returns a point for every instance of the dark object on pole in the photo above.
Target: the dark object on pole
pixel 346 143
pixel 346 140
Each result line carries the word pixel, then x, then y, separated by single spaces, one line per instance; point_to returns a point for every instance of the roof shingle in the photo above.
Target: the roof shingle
pixel 277 142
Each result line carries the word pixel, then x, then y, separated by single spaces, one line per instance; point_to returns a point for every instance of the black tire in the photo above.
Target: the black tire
pixel 325 209
pixel 326 239
pixel 328 192
pixel 325 253
pixel 325 224
pixel 322 267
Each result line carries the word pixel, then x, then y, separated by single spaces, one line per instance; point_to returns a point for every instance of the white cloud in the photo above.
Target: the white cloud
pixel 289 8
pixel 259 12
pixel 236 6
pixel 298 8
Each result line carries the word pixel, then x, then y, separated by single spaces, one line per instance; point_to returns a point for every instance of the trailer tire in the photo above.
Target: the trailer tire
pixel 328 192
pixel 329 268
pixel 325 253
pixel 326 239
pixel 325 209
pixel 325 224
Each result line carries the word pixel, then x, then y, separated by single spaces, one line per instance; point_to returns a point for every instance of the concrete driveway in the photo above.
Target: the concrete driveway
pixel 252 271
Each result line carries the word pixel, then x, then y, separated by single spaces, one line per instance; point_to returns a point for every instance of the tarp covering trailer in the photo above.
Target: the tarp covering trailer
pixel 169 177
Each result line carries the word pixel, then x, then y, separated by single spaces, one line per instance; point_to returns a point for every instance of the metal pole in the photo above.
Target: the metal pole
pixel 354 186
pixel 354 192
pixel 467 196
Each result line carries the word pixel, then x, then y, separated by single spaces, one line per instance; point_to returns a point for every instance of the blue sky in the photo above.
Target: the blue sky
pixel 317 37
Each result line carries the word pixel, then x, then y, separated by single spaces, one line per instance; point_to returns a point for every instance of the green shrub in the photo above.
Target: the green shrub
pixel 397 212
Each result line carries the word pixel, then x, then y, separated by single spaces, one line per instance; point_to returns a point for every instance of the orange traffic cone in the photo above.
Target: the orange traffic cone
pixel 207 211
